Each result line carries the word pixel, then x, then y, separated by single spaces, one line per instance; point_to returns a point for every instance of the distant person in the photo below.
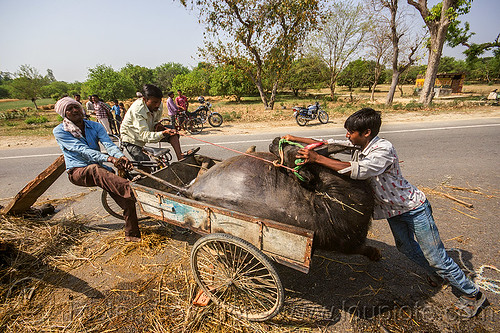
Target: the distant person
pixel 141 125
pixel 90 106
pixel 79 141
pixel 116 110
pixel 102 112
pixel 172 108
pixel 123 111
pixel 78 98
pixel 181 101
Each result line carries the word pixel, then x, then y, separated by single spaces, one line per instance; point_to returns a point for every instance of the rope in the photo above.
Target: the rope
pixel 239 152
pixel 485 283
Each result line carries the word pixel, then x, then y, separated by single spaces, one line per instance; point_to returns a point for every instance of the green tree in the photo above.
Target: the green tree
pixel 307 73
pixel 138 75
pixel 227 80
pixel 55 89
pixel 28 84
pixel 108 84
pixel 357 74
pixel 260 37
pixel 437 19
pixel 5 79
pixel 194 83
pixel 458 35
pixel 165 74
pixel 452 65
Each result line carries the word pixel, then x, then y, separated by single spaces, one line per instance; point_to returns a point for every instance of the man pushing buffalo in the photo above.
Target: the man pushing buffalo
pixel 404 206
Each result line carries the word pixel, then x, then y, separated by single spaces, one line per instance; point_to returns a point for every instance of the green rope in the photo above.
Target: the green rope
pixel 298 161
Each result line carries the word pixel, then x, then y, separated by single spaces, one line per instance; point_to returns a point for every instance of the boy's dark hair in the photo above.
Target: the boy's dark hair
pixel 95 96
pixel 115 101
pixel 364 119
pixel 150 90
pixel 170 93
pixel 77 95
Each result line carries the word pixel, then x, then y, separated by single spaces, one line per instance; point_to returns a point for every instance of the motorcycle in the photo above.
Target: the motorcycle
pixel 204 112
pixel 304 115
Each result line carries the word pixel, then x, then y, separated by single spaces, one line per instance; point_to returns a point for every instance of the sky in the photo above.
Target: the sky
pixel 71 36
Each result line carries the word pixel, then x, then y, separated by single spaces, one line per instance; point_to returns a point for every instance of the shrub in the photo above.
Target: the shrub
pixel 36 120
pixel 228 116
pixel 13 114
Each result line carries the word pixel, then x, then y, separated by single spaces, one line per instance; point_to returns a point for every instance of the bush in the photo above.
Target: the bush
pixel 233 115
pixel 36 120
pixel 13 114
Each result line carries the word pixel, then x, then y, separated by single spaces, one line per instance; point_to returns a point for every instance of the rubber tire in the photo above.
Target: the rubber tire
pixel 215 119
pixel 301 120
pixel 111 206
pixel 252 257
pixel 323 117
pixel 194 126
pixel 203 115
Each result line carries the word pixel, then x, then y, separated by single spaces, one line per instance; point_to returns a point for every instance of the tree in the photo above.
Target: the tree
pixel 260 37
pixel 437 20
pixel 108 84
pixel 28 84
pixel 5 79
pixel 461 36
pixel 227 80
pixel 55 89
pixel 194 83
pixel 138 75
pixel 305 73
pixel 356 74
pixel 165 74
pixel 342 32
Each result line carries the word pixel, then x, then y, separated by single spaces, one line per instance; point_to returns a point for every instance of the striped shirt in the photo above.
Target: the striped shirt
pixel 102 110
pixel 379 163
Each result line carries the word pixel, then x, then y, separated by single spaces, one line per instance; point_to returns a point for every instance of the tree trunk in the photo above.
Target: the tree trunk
pixel 435 52
pixel 262 93
pixel 272 100
pixel 392 89
pixel 34 102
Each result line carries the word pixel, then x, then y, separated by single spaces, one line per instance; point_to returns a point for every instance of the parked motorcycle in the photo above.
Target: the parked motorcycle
pixel 304 115
pixel 205 113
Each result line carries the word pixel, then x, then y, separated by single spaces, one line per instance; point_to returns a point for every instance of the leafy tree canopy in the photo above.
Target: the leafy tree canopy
pixel 108 84
pixel 165 74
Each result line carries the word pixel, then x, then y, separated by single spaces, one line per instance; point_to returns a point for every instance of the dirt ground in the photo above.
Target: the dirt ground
pixel 75 274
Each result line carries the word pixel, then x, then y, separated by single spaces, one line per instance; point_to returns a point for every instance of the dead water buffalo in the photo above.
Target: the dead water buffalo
pixel 337 208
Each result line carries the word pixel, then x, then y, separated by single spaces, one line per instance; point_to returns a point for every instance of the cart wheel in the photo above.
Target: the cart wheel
pixel 194 126
pixel 237 276
pixel 111 206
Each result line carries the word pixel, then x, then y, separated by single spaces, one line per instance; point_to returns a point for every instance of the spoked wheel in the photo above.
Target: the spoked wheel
pixel 203 115
pixel 301 120
pixel 323 117
pixel 194 126
pixel 215 119
pixel 113 209
pixel 237 276
pixel 111 206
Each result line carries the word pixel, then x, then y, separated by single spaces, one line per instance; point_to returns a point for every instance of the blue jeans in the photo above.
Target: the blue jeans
pixel 416 235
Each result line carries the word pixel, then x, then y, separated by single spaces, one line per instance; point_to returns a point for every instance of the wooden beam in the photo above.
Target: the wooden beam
pixel 34 189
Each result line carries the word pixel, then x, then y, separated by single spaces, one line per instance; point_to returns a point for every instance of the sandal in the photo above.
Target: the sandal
pixel 468 307
pixel 191 152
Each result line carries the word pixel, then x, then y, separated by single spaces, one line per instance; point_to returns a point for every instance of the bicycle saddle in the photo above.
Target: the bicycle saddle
pixel 156 151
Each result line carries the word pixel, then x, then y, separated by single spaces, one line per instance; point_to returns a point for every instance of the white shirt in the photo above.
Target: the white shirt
pixel 379 163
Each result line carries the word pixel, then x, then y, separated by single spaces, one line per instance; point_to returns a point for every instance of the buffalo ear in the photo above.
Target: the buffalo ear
pixel 274 146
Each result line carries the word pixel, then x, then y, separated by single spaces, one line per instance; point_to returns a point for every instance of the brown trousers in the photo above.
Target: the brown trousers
pixel 117 187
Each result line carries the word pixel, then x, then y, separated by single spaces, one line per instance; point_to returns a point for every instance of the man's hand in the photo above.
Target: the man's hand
pixel 169 131
pixel 159 127
pixel 309 156
pixel 288 137
pixel 121 163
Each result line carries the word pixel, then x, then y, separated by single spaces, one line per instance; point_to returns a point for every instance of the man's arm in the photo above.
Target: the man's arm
pixel 310 156
pixel 299 139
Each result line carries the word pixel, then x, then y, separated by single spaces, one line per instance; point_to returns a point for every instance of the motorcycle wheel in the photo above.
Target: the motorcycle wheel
pixel 194 126
pixel 215 119
pixel 203 115
pixel 323 117
pixel 301 120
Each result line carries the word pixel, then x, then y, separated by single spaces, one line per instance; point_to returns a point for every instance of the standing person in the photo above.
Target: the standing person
pixel 404 206
pixel 172 108
pixel 78 98
pixel 79 141
pixel 90 106
pixel 122 110
pixel 181 101
pixel 102 112
pixel 118 118
pixel 141 125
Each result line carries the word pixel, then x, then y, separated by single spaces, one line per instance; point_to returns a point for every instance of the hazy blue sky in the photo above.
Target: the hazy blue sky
pixel 69 36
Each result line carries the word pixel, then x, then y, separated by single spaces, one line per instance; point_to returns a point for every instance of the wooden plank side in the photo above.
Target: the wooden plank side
pixel 34 189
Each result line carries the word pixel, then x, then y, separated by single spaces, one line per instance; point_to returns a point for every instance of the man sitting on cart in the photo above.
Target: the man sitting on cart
pixel 79 141
pixel 141 125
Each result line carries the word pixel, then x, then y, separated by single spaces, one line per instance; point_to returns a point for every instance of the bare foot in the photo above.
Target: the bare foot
pixel 132 239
